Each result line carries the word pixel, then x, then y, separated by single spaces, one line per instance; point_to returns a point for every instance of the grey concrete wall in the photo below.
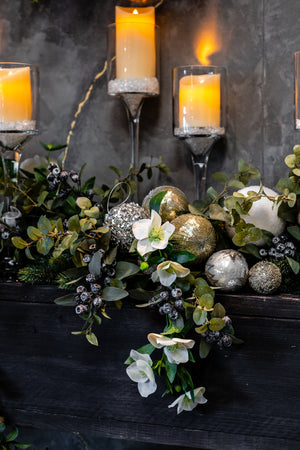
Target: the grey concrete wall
pixel 67 40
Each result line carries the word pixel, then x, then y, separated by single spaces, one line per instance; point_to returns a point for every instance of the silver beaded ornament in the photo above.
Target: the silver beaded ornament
pixel 265 277
pixel 227 269
pixel 120 220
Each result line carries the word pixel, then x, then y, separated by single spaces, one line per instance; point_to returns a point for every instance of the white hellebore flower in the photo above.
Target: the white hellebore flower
pixel 175 349
pixel 168 271
pixel 151 234
pixel 141 372
pixel 185 402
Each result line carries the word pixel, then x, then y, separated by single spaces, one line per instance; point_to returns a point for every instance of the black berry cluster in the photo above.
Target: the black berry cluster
pixel 281 248
pixel 88 296
pixel 169 301
pixel 60 179
pixel 221 338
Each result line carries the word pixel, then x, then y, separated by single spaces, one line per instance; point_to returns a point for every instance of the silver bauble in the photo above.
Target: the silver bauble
pixel 227 269
pixel 265 277
pixel 173 203
pixel 120 220
pixel 194 234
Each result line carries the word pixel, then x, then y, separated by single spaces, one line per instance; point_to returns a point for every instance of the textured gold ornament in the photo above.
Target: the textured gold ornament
pixel 194 234
pixel 173 203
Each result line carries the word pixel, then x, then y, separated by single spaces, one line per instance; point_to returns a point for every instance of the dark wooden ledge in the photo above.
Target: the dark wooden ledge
pixel 50 379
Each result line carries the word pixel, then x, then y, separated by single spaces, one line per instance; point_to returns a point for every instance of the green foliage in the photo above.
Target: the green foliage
pixel 8 440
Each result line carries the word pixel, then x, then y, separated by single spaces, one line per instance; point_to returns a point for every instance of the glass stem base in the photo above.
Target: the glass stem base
pixel 200 148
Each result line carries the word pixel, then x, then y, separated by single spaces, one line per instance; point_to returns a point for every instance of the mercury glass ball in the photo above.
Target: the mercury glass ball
pixel 265 277
pixel 174 202
pixel 194 234
pixel 120 220
pixel 227 269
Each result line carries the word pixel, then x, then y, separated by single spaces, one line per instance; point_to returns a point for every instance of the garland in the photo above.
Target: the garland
pixel 165 255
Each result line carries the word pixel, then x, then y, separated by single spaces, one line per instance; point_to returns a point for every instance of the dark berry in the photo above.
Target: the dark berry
pixel 89 193
pixel 90 278
pixel 97 302
pixel 164 295
pixel 283 238
pixel 263 252
pixel 106 280
pixel 110 272
pixel 50 176
pixel 173 314
pixel 85 296
pixel 179 304
pixel 5 235
pixel 80 309
pixel 161 310
pixel 86 259
pixel 176 293
pixel 272 251
pixel 52 166
pixel 63 175
pixel 74 176
pixel 227 320
pixel 276 240
pixel 95 288
pixel 80 289
pixel 280 247
pixel 290 245
pixel 56 171
pixel 226 340
pixel 289 252
pixel 167 307
pixel 279 255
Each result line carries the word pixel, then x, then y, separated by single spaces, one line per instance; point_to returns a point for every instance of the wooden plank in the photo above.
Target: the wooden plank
pixel 51 379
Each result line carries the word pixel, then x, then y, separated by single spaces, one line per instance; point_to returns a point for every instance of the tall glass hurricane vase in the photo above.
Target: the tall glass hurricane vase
pixel 133 71
pixel 198 114
pixel 19 95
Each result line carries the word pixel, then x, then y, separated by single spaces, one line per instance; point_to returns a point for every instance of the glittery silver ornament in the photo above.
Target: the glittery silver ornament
pixel 120 220
pixel 265 277
pixel 227 269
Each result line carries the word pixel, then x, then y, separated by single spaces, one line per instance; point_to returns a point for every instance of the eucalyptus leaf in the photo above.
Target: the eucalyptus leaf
pixel 74 224
pixel 66 300
pixel 111 294
pixel 125 269
pixel 95 263
pixel 199 316
pixel 216 324
pixel 19 242
pixel 34 233
pixel 295 266
pixel 204 349
pixel 44 225
pixel 84 203
pixel 92 338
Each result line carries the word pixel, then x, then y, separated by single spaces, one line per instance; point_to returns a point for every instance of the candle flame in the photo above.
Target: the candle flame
pixel 207 40
pixel 135 11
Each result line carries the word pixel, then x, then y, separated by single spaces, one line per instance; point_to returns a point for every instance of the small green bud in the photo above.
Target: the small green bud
pixel 144 266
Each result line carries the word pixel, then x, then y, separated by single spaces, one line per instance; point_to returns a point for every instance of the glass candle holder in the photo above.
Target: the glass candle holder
pixel 198 95
pixel 297 90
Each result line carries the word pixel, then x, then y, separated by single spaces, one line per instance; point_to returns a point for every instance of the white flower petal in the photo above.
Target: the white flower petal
pixel 141 228
pixel 134 373
pixel 198 393
pixel 188 343
pixel 168 228
pixel 153 339
pixel 147 388
pixel 142 356
pixel 161 244
pixel 166 278
pixel 144 246
pixel 155 219
pixel 177 354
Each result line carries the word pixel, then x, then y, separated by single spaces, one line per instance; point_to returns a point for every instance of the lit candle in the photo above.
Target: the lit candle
pixel 199 101
pixel 15 94
pixel 135 42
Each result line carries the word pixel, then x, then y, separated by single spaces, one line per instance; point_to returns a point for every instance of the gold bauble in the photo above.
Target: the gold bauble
pixel 194 234
pixel 173 203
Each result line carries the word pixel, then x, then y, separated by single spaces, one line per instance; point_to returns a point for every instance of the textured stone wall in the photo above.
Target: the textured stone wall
pixel 68 41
